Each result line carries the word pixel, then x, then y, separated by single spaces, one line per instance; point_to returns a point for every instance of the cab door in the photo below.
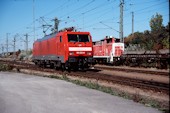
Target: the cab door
pixel 57 45
pixel 61 46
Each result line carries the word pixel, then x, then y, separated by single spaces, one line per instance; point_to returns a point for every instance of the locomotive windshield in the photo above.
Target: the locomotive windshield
pixel 78 38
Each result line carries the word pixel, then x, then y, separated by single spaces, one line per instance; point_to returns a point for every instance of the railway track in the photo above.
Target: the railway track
pixel 148 85
pixel 133 70
pixel 142 84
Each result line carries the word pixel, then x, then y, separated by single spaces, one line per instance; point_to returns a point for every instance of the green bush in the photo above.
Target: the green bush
pixel 5 67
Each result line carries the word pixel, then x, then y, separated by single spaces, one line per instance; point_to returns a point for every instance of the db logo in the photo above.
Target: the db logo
pixel 79 45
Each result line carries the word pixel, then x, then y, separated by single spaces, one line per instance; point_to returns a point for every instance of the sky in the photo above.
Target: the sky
pixel 99 17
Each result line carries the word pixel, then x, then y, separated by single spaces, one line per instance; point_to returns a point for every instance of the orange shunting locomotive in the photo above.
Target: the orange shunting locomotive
pixel 108 50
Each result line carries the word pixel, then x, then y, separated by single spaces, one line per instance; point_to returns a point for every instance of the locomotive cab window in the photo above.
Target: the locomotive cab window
pixel 117 40
pixel 78 38
pixel 109 40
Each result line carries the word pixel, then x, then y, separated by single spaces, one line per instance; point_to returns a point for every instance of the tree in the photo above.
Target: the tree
pixel 157 32
pixel 147 42
pixel 156 39
pixel 156 22
pixel 166 40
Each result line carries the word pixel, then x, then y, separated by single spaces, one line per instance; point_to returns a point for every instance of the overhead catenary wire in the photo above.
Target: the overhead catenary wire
pixel 76 13
pixel 94 23
pixel 77 9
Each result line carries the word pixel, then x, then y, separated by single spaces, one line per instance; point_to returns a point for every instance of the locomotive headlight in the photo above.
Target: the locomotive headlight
pixel 89 53
pixel 71 53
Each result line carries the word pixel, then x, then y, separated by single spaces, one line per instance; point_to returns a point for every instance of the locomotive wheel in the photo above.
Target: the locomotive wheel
pixel 39 64
pixel 67 66
pixel 43 65
pixel 63 67
pixel 52 65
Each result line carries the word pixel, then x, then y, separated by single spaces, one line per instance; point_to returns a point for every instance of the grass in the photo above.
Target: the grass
pixel 5 67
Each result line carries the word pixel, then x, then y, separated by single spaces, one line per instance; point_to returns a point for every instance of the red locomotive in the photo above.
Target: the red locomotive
pixel 107 50
pixel 67 49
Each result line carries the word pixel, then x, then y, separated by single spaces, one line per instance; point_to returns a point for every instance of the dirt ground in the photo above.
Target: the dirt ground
pixel 148 77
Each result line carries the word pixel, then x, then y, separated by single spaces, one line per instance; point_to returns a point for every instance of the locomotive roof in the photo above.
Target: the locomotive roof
pixel 57 33
pixel 116 39
pixel 46 37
